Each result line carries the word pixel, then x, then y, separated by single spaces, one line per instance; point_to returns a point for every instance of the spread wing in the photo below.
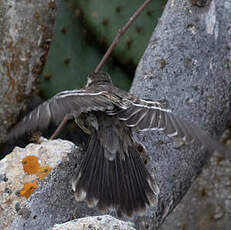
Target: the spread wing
pixel 147 115
pixel 73 103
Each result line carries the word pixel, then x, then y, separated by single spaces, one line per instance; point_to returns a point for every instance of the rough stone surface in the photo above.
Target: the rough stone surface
pixel 96 222
pixel 13 177
pixel 53 202
pixel 26 31
pixel 207 205
pixel 187 63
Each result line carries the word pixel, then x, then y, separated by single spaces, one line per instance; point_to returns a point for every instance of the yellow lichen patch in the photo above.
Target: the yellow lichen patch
pixel 43 172
pixel 28 189
pixel 30 164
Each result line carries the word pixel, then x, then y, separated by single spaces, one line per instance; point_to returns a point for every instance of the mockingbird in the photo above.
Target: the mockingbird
pixel 112 173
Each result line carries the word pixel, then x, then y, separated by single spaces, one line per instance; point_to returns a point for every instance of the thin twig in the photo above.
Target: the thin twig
pixel 119 34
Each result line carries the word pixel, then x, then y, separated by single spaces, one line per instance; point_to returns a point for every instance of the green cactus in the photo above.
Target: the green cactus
pixel 71 57
pixel 104 18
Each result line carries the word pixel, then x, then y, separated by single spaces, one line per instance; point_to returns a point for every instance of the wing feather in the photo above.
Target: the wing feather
pixel 72 103
pixel 147 115
pixel 152 116
pixel 135 119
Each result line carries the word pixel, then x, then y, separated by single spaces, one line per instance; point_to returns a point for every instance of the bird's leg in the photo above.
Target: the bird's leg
pixel 61 126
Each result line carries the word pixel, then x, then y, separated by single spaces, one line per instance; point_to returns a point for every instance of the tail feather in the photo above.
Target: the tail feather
pixel 131 189
pixel 116 184
pixel 86 165
pixel 123 183
pixel 147 185
pixel 120 184
pixel 112 183
pixel 140 191
pixel 80 193
pixel 99 180
pixel 89 174
pixel 110 178
pixel 92 195
pixel 104 201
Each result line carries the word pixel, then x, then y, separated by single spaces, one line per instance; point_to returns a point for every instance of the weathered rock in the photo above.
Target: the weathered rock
pixel 53 201
pixel 96 222
pixel 13 176
pixel 207 205
pixel 187 63
pixel 26 31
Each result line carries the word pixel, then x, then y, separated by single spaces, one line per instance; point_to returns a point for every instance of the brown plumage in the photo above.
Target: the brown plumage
pixel 112 173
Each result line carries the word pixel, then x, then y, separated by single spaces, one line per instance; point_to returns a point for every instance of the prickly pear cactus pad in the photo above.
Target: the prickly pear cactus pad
pixel 72 57
pixel 104 18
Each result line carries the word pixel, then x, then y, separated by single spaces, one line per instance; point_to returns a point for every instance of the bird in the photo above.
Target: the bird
pixel 113 174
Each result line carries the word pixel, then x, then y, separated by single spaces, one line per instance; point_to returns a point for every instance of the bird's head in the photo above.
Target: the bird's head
pixel 100 78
